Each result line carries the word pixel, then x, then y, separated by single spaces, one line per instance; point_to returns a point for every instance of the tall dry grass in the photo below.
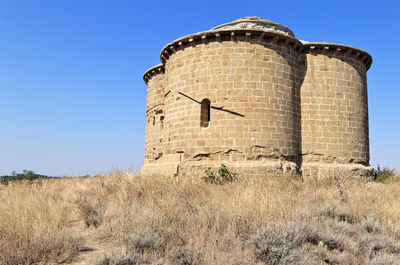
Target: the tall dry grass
pixel 33 223
pixel 159 220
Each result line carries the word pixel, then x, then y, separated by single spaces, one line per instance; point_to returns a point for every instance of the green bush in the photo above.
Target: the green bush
pixel 386 175
pixel 222 176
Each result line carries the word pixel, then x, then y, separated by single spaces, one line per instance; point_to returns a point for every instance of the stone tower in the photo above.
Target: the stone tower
pixel 250 95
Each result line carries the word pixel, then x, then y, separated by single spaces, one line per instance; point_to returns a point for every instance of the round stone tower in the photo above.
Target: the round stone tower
pixel 334 111
pixel 231 96
pixel 155 80
pixel 250 95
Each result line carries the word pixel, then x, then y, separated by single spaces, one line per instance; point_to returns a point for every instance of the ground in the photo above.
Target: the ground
pixel 129 219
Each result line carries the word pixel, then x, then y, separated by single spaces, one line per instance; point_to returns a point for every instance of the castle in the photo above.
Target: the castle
pixel 250 95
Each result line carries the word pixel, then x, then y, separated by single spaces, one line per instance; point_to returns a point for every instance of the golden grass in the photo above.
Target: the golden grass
pixel 173 221
pixel 33 221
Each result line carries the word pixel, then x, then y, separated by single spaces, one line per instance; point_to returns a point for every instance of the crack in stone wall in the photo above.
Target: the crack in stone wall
pixel 323 158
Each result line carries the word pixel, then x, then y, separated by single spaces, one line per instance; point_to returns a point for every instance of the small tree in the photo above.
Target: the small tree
pixel 28 175
pixel 14 175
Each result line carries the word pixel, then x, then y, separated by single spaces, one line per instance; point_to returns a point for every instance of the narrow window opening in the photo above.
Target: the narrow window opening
pixel 205 112
pixel 154 121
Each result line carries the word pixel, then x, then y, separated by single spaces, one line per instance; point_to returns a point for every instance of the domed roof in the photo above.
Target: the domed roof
pixel 256 23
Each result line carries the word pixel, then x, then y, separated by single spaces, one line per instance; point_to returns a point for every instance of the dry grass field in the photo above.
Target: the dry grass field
pixel 128 219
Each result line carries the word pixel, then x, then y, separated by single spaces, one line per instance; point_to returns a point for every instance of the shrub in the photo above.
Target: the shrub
pixel 386 175
pixel 333 241
pixel 90 214
pixel 104 260
pixel 343 228
pixel 300 233
pixel 141 239
pixel 371 224
pixel 397 234
pixel 115 259
pixel 338 212
pixel 224 175
pixel 272 245
pixel 373 245
pixel 284 244
pixel 181 256
pixel 300 257
pixel 211 176
pixel 384 259
pixel 384 245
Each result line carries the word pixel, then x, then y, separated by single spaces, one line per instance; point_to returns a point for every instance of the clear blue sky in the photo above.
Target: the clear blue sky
pixel 72 98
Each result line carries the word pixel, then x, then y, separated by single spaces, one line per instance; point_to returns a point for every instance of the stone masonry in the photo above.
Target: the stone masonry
pixel 250 95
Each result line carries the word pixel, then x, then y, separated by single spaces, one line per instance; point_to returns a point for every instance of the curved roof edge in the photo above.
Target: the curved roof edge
pixel 354 52
pixel 158 69
pixel 218 35
pixel 256 23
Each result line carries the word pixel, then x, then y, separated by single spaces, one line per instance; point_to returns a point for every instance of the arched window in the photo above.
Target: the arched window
pixel 205 112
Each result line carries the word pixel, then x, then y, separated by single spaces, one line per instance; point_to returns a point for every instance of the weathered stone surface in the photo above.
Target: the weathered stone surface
pixel 255 23
pixel 277 105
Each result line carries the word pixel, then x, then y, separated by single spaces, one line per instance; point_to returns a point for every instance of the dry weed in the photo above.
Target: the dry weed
pixel 163 220
pixel 33 225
